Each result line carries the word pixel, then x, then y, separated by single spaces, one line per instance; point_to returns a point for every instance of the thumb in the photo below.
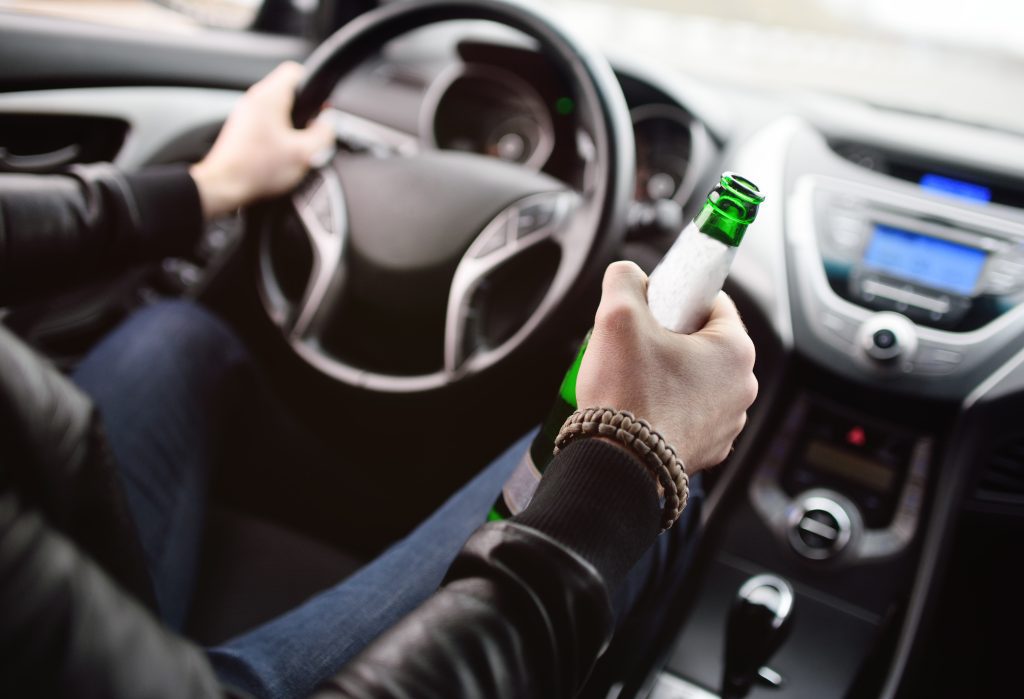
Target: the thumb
pixel 624 282
pixel 623 299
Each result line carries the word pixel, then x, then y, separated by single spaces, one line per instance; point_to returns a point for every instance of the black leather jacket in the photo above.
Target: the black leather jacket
pixel 523 612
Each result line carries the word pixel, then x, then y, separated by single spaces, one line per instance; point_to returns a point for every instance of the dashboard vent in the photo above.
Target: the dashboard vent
pixel 1002 481
pixel 948 178
pixel 48 142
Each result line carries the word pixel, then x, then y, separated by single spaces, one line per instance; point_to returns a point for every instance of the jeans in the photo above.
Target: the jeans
pixel 162 382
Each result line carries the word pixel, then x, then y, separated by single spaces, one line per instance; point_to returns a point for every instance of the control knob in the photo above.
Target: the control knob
pixel 886 337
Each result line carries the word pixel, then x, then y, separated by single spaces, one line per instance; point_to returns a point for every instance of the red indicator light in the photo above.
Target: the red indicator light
pixel 856 436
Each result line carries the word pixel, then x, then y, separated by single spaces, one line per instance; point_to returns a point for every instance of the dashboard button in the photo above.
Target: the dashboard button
pixel 844 328
pixel 847 233
pixel 1005 275
pixel 937 360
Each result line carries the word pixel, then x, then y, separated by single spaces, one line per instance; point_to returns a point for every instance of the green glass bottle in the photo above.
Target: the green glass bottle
pixel 680 294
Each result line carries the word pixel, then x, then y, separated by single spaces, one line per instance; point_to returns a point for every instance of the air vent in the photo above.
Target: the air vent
pixel 49 142
pixel 941 178
pixel 1002 481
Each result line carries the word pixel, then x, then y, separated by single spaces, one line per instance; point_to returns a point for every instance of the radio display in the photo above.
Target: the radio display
pixel 930 261
pixel 858 468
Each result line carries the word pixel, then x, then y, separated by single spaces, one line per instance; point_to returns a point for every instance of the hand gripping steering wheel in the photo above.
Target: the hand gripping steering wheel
pixel 417 236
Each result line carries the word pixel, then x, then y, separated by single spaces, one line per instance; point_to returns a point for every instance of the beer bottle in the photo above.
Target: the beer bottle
pixel 680 293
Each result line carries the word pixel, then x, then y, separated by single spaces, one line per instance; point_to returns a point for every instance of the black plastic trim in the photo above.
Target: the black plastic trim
pixel 46 52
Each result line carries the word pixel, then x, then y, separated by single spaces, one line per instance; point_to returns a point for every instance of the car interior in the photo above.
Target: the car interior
pixel 492 159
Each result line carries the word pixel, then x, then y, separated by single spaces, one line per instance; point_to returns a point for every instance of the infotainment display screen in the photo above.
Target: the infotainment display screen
pixel 955 188
pixel 925 260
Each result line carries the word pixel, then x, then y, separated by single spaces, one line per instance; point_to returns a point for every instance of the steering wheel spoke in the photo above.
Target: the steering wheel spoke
pixel 521 226
pixel 320 206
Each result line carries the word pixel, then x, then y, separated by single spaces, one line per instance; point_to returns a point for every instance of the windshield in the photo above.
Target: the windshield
pixel 951 58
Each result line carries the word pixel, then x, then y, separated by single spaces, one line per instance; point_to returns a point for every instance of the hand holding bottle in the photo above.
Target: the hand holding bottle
pixel 694 392
pixel 694 389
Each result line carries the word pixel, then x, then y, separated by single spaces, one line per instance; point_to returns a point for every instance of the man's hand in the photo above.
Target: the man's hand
pixel 693 389
pixel 258 152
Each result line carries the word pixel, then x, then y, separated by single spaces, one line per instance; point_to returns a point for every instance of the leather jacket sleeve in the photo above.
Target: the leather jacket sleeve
pixel 73 624
pixel 524 612
pixel 69 631
pixel 520 616
pixel 59 229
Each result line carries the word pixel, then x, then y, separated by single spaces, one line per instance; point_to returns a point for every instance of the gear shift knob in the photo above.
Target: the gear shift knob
pixel 758 624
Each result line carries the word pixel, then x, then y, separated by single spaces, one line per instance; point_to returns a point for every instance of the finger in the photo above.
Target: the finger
pixel 623 299
pixel 726 330
pixel 287 74
pixel 279 84
pixel 317 140
pixel 724 316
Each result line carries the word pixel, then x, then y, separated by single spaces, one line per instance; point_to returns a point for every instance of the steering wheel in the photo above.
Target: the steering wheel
pixel 411 240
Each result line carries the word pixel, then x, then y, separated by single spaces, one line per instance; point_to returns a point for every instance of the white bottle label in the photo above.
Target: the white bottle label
pixel 683 287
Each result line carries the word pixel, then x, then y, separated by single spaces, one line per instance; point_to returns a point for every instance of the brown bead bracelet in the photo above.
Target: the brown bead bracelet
pixel 640 438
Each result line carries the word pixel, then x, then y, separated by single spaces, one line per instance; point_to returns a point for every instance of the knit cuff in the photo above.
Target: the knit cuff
pixel 601 502
pixel 170 214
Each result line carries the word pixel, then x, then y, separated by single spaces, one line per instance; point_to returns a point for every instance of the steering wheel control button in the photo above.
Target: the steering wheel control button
pixel 819 528
pixel 536 215
pixel 494 240
pixel 887 336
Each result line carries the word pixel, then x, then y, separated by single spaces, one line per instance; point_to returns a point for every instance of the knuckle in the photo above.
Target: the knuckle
pixel 621 268
pixel 746 353
pixel 615 317
pixel 751 389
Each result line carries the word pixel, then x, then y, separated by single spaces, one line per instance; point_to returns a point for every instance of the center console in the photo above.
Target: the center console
pixel 901 288
pixel 832 508
pixel 902 294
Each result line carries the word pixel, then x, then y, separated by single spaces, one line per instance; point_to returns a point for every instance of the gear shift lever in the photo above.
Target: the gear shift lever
pixel 758 623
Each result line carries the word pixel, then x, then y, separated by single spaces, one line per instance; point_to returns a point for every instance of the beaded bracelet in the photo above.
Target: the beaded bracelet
pixel 640 438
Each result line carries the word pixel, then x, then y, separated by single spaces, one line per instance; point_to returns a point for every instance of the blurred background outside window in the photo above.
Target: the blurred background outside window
pixel 949 58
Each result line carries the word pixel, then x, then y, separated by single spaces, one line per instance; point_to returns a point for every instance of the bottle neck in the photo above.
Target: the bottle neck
pixel 721 226
pixel 731 206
